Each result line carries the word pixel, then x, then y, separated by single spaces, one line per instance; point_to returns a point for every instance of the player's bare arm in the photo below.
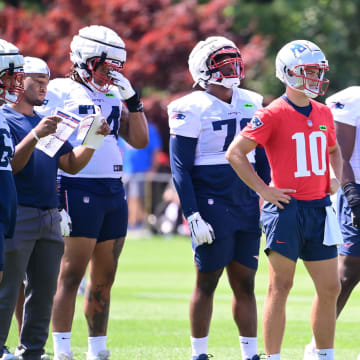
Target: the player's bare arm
pixel 236 155
pixel 134 129
pixel 346 135
pixel 337 166
pixel 24 149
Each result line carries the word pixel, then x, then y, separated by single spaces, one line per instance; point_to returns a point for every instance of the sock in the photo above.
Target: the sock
pixel 248 346
pixel 96 344
pixel 199 345
pixel 61 341
pixel 313 342
pixel 325 354
pixel 273 356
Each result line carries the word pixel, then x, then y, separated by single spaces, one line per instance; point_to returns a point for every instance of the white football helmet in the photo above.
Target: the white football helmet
pixel 209 63
pixel 11 73
pixel 97 45
pixel 295 59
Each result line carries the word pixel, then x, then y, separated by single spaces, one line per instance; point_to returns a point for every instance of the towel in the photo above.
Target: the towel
pixel 332 233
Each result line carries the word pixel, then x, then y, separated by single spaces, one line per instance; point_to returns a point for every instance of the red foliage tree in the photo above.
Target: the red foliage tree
pixel 159 35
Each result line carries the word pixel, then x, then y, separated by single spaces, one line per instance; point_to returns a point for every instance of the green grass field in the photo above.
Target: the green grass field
pixel 149 309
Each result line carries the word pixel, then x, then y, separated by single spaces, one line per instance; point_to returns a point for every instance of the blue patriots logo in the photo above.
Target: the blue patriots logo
pixel 255 123
pixel 339 105
pixel 178 116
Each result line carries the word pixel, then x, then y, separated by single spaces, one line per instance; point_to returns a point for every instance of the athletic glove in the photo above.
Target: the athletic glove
pixel 201 232
pixel 125 88
pixel 352 194
pixel 127 92
pixel 65 223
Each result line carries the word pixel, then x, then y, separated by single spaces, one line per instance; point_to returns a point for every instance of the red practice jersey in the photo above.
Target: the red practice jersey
pixel 296 146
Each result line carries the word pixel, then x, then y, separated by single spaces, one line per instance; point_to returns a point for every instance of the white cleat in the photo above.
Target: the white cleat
pixel 102 355
pixel 310 352
pixel 358 358
pixel 63 356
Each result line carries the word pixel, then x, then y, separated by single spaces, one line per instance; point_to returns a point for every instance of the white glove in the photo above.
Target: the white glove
pixel 125 88
pixel 65 223
pixel 201 231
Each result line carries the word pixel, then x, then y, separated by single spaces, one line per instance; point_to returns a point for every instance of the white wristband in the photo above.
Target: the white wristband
pixel 35 135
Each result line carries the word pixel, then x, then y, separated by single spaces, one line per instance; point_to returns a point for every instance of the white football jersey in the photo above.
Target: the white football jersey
pixel 345 107
pixel 6 145
pixel 78 99
pixel 213 122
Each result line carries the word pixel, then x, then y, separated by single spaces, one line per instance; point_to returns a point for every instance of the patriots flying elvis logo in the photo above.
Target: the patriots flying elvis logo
pixel 255 123
pixel 337 105
pixel 178 116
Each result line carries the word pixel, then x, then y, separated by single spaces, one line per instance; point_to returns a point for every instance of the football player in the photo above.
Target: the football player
pixel 345 107
pixel 95 197
pixel 11 91
pixel 299 139
pixel 223 213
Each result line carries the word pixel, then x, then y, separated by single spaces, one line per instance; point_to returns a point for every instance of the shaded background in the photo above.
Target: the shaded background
pixel 159 35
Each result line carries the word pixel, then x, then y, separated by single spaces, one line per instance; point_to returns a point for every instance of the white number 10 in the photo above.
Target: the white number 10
pixel 316 160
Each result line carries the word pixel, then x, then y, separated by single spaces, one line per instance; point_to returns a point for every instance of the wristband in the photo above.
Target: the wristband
pixel 34 135
pixel 134 104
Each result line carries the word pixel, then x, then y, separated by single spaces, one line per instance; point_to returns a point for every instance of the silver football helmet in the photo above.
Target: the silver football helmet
pixel 296 60
pixel 216 60
pixel 94 46
pixel 11 73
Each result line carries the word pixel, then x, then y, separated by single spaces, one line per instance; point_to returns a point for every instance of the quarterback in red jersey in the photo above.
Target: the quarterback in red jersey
pixel 299 139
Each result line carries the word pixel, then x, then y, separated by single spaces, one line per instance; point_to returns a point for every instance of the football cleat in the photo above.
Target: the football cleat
pixel 102 355
pixel 202 357
pixel 63 356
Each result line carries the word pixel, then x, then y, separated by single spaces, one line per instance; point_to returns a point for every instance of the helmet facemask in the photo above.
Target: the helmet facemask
pixel 96 52
pixel 99 71
pixel 12 85
pixel 310 85
pixel 226 67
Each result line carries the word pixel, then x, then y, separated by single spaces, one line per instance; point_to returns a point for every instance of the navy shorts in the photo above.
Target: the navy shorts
pixel 237 235
pixel 350 233
pixel 240 246
pixel 297 231
pixel 93 215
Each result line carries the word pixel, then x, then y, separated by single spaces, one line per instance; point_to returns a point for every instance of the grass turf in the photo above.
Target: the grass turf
pixel 149 309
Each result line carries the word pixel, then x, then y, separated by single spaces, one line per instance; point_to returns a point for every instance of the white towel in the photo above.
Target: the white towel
pixel 332 233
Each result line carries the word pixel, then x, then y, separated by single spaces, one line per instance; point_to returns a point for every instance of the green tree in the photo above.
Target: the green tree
pixel 331 24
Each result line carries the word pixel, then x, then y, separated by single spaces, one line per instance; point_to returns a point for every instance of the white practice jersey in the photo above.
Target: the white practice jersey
pixel 73 97
pixel 213 122
pixel 6 145
pixel 345 107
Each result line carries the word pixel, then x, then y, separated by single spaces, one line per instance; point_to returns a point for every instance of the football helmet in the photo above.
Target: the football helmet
pixel 296 60
pixel 95 46
pixel 11 73
pixel 216 60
